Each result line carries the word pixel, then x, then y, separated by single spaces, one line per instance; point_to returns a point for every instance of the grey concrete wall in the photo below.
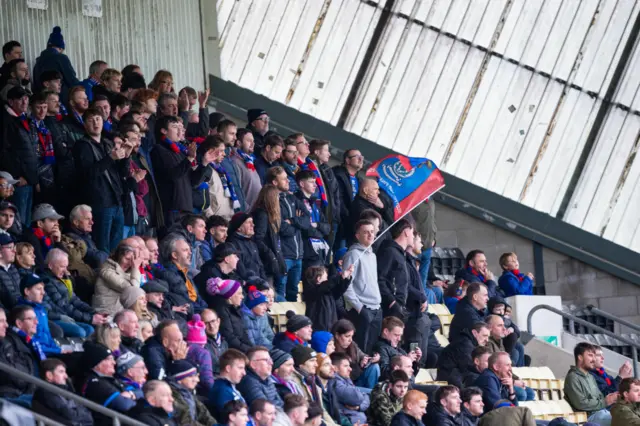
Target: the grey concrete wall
pixel 569 278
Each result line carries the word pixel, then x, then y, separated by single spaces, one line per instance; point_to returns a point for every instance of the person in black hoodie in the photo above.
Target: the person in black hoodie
pixel 414 407
pixel 241 234
pixel 348 186
pixel 316 247
pixel 455 359
pixel 393 271
pixel 419 323
pixel 444 410
pixel 156 407
pixel 320 292
pixel 471 309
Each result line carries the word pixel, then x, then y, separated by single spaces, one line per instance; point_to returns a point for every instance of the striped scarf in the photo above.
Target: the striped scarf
pixel 46 142
pixel 176 147
pixel 229 192
pixel 308 164
pixel 248 159
pixel 35 345
pixel 47 244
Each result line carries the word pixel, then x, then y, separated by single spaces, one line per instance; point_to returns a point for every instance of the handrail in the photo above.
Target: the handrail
pixel 634 345
pixel 117 417
pixel 43 420
pixel 607 315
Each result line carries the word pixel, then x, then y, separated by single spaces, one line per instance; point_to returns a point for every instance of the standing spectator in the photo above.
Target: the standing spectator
pixel 456 359
pixel 241 236
pixel 258 124
pixel 606 383
pixel 9 274
pixel 496 382
pixel 168 106
pixel 513 282
pixel 19 156
pixel 162 82
pixel 224 200
pixel 217 228
pixel 216 344
pixel 257 383
pixel 298 333
pixel 393 274
pixel 470 310
pixel 315 246
pixel 362 298
pixel 365 370
pixel 132 83
pixel 120 271
pixel 289 160
pixel 418 322
pixel 81 218
pixel 626 412
pixel 476 270
pixel 74 122
pixel 223 265
pixel 198 355
pixel 53 58
pixel 166 345
pixel 183 379
pixel 348 187
pixel 266 157
pixel 386 399
pixel 111 82
pixel 18 76
pixel 353 402
pixel 414 406
pixel 328 191
pixel 368 198
pixel 472 406
pixel 95 72
pixel 227 130
pixel 33 295
pixel 157 406
pixel 445 408
pixel 10 50
pixel 254 312
pixel 129 326
pixel 233 365
pixel 320 294
pixel 425 223
pixel 244 160
pixel 227 301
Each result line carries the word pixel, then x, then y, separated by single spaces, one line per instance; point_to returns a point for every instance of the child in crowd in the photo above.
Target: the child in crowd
pixel 455 293
pixel 320 294
pixel 198 355
pixel 512 281
pixel 25 259
pixel 146 330
pixel 255 319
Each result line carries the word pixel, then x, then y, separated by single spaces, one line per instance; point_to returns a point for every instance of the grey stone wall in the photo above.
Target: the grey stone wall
pixel 574 281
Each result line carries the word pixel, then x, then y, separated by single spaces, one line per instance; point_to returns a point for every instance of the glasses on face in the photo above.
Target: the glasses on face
pixel 10 247
pixel 303 143
pixel 265 119
pixel 211 322
pixel 358 156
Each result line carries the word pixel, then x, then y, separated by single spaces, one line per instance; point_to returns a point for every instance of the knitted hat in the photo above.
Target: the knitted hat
pixel 279 357
pixel 224 288
pixel 339 254
pixel 295 322
pixel 94 354
pixel 254 298
pixel 195 333
pixel 215 118
pixel 302 354
pixel 237 221
pixel 155 286
pixel 320 340
pixel 56 39
pixel 222 251
pixel 181 369
pixel 130 295
pixel 29 281
pixel 254 113
pixel 126 361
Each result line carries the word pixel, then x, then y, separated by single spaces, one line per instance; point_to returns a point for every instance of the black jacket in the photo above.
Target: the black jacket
pixel 269 246
pixel 345 191
pixel 156 358
pixel 359 205
pixel 74 130
pixel 61 409
pixel 210 269
pixel 386 351
pixel 466 316
pixel 15 352
pixel 9 286
pixel 332 212
pixel 261 164
pixel 249 264
pixel 63 304
pixel 415 290
pixel 291 233
pixel 455 359
pixel 132 344
pixel 19 156
pixel 320 300
pixel 436 415
pixel 216 350
pixel 152 416
pixel 231 325
pixel 178 294
pixel 470 376
pixel 320 232
pixel 465 418
pixel 393 279
pixel 403 419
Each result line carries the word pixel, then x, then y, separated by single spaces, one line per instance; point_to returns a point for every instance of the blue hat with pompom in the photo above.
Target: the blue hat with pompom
pixel 56 39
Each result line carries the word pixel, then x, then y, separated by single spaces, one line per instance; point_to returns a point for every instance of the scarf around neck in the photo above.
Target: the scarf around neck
pixel 248 159
pixel 229 192
pixel 308 164
pixel 600 372
pixel 47 244
pixel 46 142
pixel 477 274
pixel 176 147
pixel 518 275
pixel 33 344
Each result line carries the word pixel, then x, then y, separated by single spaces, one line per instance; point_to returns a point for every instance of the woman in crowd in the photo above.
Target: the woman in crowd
pixel 120 271
pixel 365 369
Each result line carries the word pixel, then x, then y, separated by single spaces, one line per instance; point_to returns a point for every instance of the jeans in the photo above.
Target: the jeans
pixel 107 227
pixel 369 377
pixel 525 394
pixel 602 417
pixel 517 355
pixel 22 400
pixel 75 329
pixel 128 231
pixel 425 262
pixel 23 199
pixel 292 279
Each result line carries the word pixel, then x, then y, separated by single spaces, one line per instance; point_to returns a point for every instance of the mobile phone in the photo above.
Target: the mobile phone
pixel 413 347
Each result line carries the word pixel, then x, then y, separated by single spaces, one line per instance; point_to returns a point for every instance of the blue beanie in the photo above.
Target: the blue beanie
pixel 254 298
pixel 320 340
pixel 56 39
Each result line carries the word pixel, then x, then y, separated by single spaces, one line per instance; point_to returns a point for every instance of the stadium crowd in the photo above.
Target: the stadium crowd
pixel 160 236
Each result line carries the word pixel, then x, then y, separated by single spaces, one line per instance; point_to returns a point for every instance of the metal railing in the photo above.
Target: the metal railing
pixel 42 420
pixel 575 319
pixel 592 309
pixel 118 418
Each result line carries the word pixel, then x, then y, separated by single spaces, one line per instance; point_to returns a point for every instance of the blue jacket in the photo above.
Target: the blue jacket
pixel 466 316
pixel 206 248
pixel 51 59
pixel 602 382
pixel 262 166
pixel 156 358
pixel 349 395
pixel 222 392
pixel 253 387
pixel 492 390
pixel 258 328
pixel 88 84
pixel 465 274
pixel 512 286
pixel 43 334
pixel 291 175
pixel 282 342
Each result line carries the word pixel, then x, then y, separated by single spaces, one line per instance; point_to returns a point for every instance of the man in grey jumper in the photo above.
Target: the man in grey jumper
pixel 362 298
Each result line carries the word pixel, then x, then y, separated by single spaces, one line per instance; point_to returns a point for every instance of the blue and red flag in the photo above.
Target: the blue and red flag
pixel 408 181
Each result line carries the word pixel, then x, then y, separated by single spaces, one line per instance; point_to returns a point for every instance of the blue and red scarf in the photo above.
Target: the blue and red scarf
pixel 227 185
pixel 308 164
pixel 47 244
pixel 176 147
pixel 35 345
pixel 248 159
pixel 600 372
pixel 518 275
pixel 107 125
pixel 477 274
pixel 46 142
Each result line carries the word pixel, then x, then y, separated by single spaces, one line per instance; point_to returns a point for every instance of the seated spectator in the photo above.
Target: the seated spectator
pixel 233 365
pixel 109 336
pixel 33 295
pixel 320 294
pixel 216 234
pixel 455 359
pixel 25 259
pixel 295 411
pixel 262 413
pixel 299 332
pixel 135 300
pixel 414 406
pixel 157 406
pixel 45 233
pixel 506 413
pixel 55 406
pixel 257 383
pixel 216 344
pixel 626 412
pixel 386 399
pixel 81 218
pixel 365 370
pixel 353 402
pixel 472 406
pixel 157 303
pixel 454 293
pixel 476 270
pixel 188 409
pixel 146 331
pixel 581 388
pixel 254 316
pixel 469 311
pixel 512 282
pixel 322 341
pixel 606 383
pixel 445 408
pixel 132 373
pixel 129 326
pixel 388 345
pixel 9 220
pixel 227 301
pixel 479 363
pixel 223 265
pixel 120 271
pixel 241 235
pixel 283 367
pixel 198 355
pixel 167 344
pixel 9 274
pixel 101 386
pixel 498 306
pixel 496 382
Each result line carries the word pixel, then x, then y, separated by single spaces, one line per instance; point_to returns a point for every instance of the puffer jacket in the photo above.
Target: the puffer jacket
pixel 625 413
pixel 9 286
pixel 386 351
pixel 61 409
pixel 65 304
pixel 17 354
pixel 466 316
pixel 383 405
pixel 291 231
pixel 258 329
pixel 200 357
pixel 250 263
pixel 94 257
pixel 156 358
pixel 349 395
pixel 232 325
pixel 187 408
pixel 252 387
pixel 111 282
pixel 216 349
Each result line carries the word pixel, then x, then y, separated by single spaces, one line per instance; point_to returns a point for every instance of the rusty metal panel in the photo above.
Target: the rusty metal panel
pixel 155 34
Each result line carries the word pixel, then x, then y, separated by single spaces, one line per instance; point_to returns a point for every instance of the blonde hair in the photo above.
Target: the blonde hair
pixel 505 258
pixel 109 335
pixel 109 73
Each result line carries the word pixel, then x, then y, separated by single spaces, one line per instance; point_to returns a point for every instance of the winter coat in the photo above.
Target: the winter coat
pixel 52 60
pixel 355 359
pixel 601 380
pixel 386 351
pixel 625 413
pixel 403 419
pixel 258 329
pixel 187 408
pixel 43 333
pixel 16 353
pixel 349 395
pixel 105 391
pixel 332 211
pixel 232 325
pixel 262 166
pixel 112 281
pixel 74 130
pixel 222 392
pixel 291 233
pixel 269 245
pixel 582 392
pixel 470 376
pixel 221 204
pixel 178 294
pixel 216 350
pixel 64 304
pixel 393 278
pixel 231 168
pixel 201 358
pixel 252 387
pixel 416 295
pixel 156 358
pixel 508 416
pixel 152 416
pixel 492 286
pixel 358 205
pixel 345 191
pixel 78 269
pixel 61 409
pixel 9 286
pixel 291 171
pixel 19 156
pixel 466 316
pixel 284 343
pixel 313 393
pixel 493 390
pixel 495 345
pixel 466 418
pixel 364 289
pixel 211 269
pixel 455 359
pixel 321 298
pixel 249 262
pixel 321 232
pixel 513 285
pixel 383 405
pixel 437 415
pixel 249 181
pixel 132 344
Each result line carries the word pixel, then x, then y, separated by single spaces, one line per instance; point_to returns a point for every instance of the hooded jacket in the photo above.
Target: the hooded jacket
pixel 581 391
pixel 393 278
pixel 51 59
pixel 348 395
pixel 455 360
pixel 292 226
pixel 383 405
pixel 232 326
pixel 364 289
pixel 466 316
pixel 625 413
pixel 258 329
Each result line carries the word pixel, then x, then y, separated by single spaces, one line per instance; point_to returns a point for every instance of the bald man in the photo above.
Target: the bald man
pixel 157 405
pixel 369 198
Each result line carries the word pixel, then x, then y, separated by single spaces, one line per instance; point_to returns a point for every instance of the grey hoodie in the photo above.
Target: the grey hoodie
pixel 364 290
